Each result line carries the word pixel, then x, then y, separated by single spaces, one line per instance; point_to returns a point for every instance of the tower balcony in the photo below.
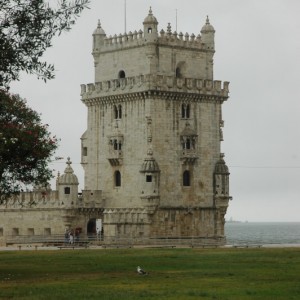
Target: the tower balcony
pixel 115 157
pixel 188 156
pixel 222 201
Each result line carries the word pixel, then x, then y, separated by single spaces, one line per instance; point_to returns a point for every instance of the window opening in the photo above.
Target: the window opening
pixel 115 112
pixel 149 30
pixel 15 231
pixel 30 231
pixel 188 144
pixel 117 145
pixel 186 178
pixel 185 111
pixel 178 72
pixel 119 112
pixel 117 178
pixel 67 190
pixel 84 151
pixel 148 178
pixel 47 231
pixel 122 74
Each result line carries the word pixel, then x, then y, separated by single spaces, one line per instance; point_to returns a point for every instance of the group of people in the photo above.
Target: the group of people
pixel 71 236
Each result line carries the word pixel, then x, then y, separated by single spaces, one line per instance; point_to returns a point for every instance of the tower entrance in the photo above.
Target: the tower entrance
pixel 95 228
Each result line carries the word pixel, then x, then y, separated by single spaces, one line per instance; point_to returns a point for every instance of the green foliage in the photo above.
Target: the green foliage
pixel 26 146
pixel 26 30
pixel 227 274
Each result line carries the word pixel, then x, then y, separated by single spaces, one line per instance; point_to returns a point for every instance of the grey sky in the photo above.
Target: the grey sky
pixel 257 50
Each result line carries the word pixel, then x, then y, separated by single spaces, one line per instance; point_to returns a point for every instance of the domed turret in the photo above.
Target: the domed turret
pixel 221 182
pixel 98 37
pixel 150 19
pixel 221 167
pixel 68 177
pixel 208 35
pixel 207 27
pixel 149 165
pixel 150 27
pixel 150 179
pixel 68 186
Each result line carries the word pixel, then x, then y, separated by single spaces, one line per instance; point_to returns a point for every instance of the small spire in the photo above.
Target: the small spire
pixel 99 24
pixel 207 20
pixel 69 168
pixel 68 162
pixel 169 29
pixel 150 152
pixel 150 11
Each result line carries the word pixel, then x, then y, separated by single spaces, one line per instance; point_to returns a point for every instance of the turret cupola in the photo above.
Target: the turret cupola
pixel 150 27
pixel 221 167
pixel 208 35
pixel 68 185
pixel 221 178
pixel 150 179
pixel 98 37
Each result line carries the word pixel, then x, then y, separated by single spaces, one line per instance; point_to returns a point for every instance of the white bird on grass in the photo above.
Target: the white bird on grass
pixel 141 271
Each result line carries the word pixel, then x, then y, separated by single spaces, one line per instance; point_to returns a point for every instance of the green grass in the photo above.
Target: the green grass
pixel 174 274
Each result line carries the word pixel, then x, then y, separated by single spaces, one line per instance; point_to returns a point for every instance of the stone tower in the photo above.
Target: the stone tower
pixel 154 131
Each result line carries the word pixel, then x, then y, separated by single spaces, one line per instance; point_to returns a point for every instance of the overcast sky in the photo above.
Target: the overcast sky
pixel 257 50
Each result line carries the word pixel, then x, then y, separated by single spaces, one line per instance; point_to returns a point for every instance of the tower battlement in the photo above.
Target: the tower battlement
pixel 137 38
pixel 155 82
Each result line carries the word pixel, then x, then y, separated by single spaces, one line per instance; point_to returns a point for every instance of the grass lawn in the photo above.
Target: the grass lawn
pixel 173 274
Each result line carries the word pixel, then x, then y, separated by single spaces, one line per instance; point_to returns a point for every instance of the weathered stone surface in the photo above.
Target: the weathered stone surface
pixel 151 151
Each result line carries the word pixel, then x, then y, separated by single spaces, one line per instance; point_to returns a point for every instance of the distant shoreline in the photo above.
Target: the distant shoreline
pixel 270 222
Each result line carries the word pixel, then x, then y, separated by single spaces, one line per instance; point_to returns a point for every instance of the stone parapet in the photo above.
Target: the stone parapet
pixel 135 215
pixel 137 38
pixel 27 200
pixel 154 82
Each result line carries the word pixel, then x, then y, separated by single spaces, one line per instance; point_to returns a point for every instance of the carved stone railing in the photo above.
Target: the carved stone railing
pixel 188 156
pixel 133 39
pixel 154 82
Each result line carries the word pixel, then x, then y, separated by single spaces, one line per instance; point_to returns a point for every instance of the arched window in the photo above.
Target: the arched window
pixel 186 178
pixel 117 145
pixel 122 74
pixel 118 112
pixel 185 111
pixel 183 108
pixel 180 69
pixel 188 144
pixel 149 30
pixel 117 178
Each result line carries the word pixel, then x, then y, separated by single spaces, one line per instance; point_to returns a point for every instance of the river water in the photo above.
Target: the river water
pixel 283 233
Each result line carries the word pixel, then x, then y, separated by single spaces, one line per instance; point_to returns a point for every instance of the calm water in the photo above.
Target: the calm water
pixel 262 233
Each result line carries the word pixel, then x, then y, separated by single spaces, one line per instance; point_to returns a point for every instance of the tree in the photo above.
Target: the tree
pixel 26 30
pixel 26 146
